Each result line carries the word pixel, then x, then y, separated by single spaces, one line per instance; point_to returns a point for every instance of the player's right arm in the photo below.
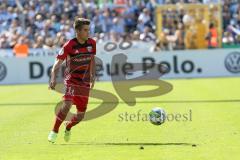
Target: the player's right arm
pixel 58 62
pixel 54 73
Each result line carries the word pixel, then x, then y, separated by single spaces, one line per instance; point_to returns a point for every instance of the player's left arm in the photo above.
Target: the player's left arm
pixel 93 71
pixel 93 65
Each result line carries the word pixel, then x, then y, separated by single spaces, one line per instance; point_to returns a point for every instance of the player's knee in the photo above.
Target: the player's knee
pixel 66 107
pixel 80 117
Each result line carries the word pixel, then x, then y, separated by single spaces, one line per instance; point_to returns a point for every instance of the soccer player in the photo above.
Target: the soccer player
pixel 79 55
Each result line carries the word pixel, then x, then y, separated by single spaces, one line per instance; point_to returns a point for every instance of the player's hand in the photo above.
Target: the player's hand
pixel 52 84
pixel 92 81
pixel 92 85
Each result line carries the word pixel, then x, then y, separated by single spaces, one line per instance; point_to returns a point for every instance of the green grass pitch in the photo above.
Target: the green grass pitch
pixel 209 128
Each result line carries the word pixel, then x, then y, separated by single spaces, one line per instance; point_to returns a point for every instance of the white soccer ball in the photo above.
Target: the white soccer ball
pixel 157 116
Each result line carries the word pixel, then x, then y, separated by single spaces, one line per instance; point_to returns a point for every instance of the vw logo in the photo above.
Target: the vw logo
pixel 3 71
pixel 232 62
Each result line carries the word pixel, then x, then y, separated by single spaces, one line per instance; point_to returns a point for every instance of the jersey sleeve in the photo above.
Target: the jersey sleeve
pixel 94 46
pixel 62 54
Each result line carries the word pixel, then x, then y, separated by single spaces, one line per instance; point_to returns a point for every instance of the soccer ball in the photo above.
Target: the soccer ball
pixel 157 116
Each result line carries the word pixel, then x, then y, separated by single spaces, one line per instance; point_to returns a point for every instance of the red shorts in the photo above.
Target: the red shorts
pixel 78 95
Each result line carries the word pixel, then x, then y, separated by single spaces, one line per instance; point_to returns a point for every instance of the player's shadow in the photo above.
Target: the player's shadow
pixel 129 144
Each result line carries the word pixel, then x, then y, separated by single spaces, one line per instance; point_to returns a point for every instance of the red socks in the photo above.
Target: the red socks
pixel 72 123
pixel 58 121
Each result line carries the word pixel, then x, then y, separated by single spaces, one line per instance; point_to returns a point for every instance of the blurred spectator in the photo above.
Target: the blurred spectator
pixel 179 34
pixel 43 23
pixel 201 32
pixel 212 36
pixel 38 42
pixel 147 35
pixel 4 41
pixel 49 44
pixel 156 47
pixel 144 19
pixel 227 40
pixel 210 1
pixel 136 36
pixel 130 17
pixel 226 16
pixel 118 25
pixel 164 43
pixel 21 48
pixel 190 38
pixel 235 31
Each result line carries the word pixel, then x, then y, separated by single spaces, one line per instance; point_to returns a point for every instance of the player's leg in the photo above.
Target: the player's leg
pixel 60 117
pixel 74 121
pixel 81 105
pixel 62 114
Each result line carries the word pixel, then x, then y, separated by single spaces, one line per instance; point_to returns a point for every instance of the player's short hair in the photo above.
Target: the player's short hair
pixel 79 22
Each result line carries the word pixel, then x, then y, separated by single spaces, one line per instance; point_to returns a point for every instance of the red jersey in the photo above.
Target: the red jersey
pixel 78 59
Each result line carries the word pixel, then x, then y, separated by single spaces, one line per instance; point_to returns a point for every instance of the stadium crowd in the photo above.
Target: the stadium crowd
pixel 48 23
